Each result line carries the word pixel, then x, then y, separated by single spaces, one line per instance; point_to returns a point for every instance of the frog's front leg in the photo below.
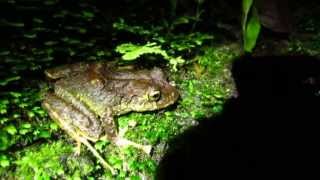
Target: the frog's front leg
pixel 121 141
pixel 118 136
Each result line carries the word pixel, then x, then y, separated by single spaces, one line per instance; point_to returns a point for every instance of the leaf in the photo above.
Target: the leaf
pixel 11 129
pixel 182 20
pixel 4 161
pixel 54 126
pixel 87 14
pixel 44 134
pixel 132 52
pixel 30 114
pixel 50 43
pixel 30 35
pixel 13 24
pixel 101 144
pixel 4 53
pixel 15 94
pixel 26 126
pixel 49 2
pixel 82 30
pixel 100 53
pixel 252 31
pixel 4 141
pixel 246 5
pixel 37 20
pixel 6 81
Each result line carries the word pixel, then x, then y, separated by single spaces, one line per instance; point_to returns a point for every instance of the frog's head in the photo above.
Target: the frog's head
pixel 150 95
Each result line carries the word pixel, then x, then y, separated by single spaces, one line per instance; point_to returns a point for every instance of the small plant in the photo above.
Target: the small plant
pixel 172 47
pixel 132 52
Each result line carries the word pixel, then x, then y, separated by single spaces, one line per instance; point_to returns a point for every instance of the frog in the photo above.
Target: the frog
pixel 87 98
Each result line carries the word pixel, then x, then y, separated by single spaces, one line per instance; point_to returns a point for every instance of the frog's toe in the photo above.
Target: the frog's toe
pixel 122 132
pixel 77 149
pixel 77 152
pixel 122 142
pixel 146 148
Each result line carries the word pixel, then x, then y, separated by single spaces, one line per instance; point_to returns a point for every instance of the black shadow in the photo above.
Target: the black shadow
pixel 270 129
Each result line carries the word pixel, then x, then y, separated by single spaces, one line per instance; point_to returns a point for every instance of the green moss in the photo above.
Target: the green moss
pixel 51 160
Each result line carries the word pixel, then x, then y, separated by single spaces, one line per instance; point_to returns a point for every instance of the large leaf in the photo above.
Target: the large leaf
pixel 250 25
pixel 252 31
pixel 246 6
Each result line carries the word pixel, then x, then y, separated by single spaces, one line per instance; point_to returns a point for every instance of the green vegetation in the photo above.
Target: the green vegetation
pixel 132 52
pixel 250 25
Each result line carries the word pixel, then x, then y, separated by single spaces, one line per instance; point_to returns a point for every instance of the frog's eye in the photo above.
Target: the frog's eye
pixel 154 95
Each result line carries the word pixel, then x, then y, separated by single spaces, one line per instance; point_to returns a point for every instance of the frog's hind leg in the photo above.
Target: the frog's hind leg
pixel 96 154
pixel 59 111
pixel 118 137
pixel 81 140
pixel 66 70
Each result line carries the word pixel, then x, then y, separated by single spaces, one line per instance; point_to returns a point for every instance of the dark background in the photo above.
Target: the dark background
pixel 270 130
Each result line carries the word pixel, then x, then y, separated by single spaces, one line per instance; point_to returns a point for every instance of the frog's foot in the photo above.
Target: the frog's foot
pixel 96 154
pixel 78 148
pixel 125 142
pixel 120 141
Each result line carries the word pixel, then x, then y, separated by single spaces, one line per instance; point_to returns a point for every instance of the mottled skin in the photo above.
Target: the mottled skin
pixel 87 97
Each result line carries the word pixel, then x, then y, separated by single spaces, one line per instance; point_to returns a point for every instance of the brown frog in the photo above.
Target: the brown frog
pixel 87 97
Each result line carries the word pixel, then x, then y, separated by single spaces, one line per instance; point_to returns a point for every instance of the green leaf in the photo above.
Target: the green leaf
pixel 4 161
pixel 3 119
pixel 54 126
pixel 6 81
pixel 50 43
pixel 44 134
pixel 101 144
pixel 100 53
pixel 13 24
pixel 15 94
pixel 132 52
pixel 82 30
pixel 4 141
pixel 31 114
pixel 3 110
pixel 49 2
pixel 252 31
pixel 11 129
pixel 37 20
pixel 182 20
pixel 4 53
pixel 31 35
pixel 26 126
pixel 246 5
pixel 87 14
